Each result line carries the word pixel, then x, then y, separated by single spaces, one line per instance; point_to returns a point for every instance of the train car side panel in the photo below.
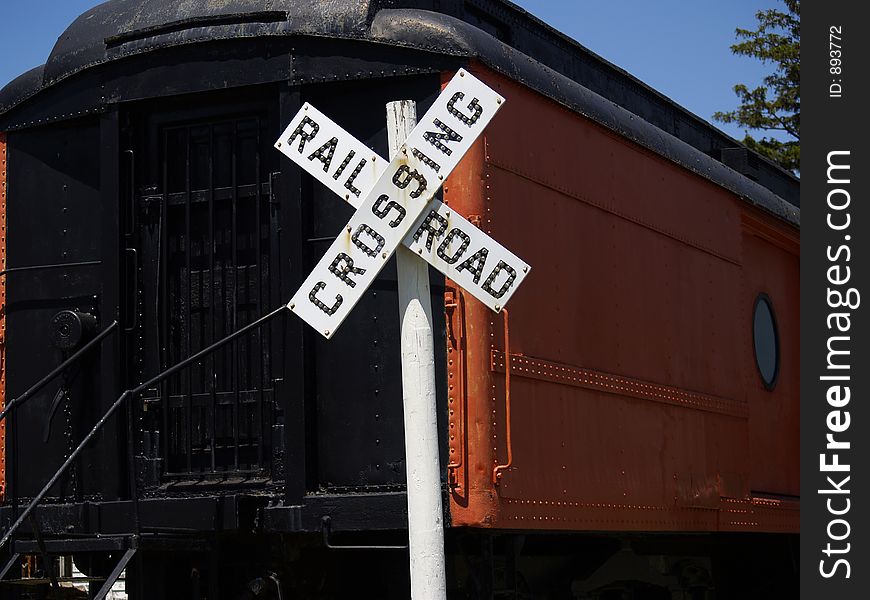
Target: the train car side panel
pixel 626 378
pixel 771 267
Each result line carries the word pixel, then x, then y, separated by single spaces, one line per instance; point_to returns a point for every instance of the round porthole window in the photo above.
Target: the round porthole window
pixel 766 340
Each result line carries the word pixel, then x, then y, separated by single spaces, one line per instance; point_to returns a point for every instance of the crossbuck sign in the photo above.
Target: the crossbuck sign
pixel 394 202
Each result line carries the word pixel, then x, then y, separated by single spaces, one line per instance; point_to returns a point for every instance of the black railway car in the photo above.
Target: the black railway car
pixel 148 218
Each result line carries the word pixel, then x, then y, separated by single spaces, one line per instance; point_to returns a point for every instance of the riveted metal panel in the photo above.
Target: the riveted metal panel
pixel 626 397
pixel 771 267
pixel 53 196
pixel 353 405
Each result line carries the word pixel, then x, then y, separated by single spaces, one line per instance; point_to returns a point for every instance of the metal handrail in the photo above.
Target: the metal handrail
pixel 126 395
pixel 57 371
pixel 81 263
pixel 326 530
pixel 499 469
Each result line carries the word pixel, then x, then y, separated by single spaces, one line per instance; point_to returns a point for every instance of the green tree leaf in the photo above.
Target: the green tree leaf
pixel 775 105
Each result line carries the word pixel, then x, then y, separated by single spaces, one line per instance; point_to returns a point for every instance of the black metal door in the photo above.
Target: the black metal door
pixel 204 237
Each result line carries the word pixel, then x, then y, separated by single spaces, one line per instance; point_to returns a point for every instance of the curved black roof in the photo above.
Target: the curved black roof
pixel 120 28
pixel 497 32
pixel 94 36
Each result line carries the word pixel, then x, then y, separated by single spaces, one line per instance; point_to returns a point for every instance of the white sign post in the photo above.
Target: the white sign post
pixel 422 465
pixel 395 206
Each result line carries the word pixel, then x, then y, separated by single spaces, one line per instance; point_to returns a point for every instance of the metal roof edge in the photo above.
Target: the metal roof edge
pixel 405 27
pixel 437 32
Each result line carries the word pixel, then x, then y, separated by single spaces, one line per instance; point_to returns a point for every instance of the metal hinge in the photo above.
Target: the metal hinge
pixel 274 181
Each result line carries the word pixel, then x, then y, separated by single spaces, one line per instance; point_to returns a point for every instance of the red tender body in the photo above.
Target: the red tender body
pixel 632 401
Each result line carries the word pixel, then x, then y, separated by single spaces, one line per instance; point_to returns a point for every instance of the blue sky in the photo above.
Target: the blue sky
pixel 679 47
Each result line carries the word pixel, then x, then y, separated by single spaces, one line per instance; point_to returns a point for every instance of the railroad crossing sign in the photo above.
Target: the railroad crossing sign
pixel 394 202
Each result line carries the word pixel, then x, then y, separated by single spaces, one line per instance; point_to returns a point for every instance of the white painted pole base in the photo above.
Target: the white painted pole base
pixel 425 515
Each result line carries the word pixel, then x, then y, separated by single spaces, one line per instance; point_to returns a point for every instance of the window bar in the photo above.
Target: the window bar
pixel 274 333
pixel 235 305
pixel 259 304
pixel 163 297
pixel 211 298
pixel 12 462
pixel 186 376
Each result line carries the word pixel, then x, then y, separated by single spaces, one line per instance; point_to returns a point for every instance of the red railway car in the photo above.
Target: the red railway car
pixel 627 362
pixel 645 377
pixel 626 428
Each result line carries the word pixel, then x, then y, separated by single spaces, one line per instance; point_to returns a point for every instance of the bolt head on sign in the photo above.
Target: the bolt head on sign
pixel 393 202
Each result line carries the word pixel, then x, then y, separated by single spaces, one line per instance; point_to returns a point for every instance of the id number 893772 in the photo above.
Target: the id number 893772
pixel 835 61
